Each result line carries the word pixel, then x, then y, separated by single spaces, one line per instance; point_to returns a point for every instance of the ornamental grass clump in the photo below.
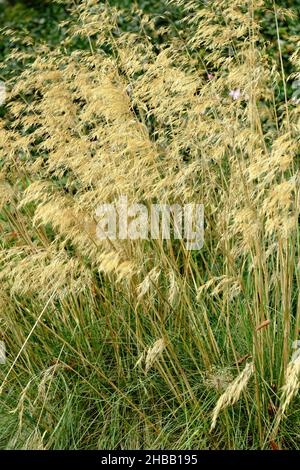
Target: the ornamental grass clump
pixel 109 342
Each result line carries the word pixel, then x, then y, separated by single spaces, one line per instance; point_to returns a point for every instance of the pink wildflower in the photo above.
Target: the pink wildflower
pixel 235 94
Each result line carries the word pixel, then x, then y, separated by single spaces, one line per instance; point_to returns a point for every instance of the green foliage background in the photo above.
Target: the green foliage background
pixel 40 20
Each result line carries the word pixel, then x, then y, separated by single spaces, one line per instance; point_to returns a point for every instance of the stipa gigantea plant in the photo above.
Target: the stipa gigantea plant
pixel 196 120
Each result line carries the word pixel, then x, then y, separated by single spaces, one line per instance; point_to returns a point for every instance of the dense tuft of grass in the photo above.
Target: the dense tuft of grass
pixel 139 344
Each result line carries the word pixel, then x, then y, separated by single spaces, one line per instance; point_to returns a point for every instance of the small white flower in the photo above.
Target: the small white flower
pixel 235 94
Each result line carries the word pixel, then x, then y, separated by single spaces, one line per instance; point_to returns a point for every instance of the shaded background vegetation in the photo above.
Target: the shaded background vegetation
pixel 40 20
